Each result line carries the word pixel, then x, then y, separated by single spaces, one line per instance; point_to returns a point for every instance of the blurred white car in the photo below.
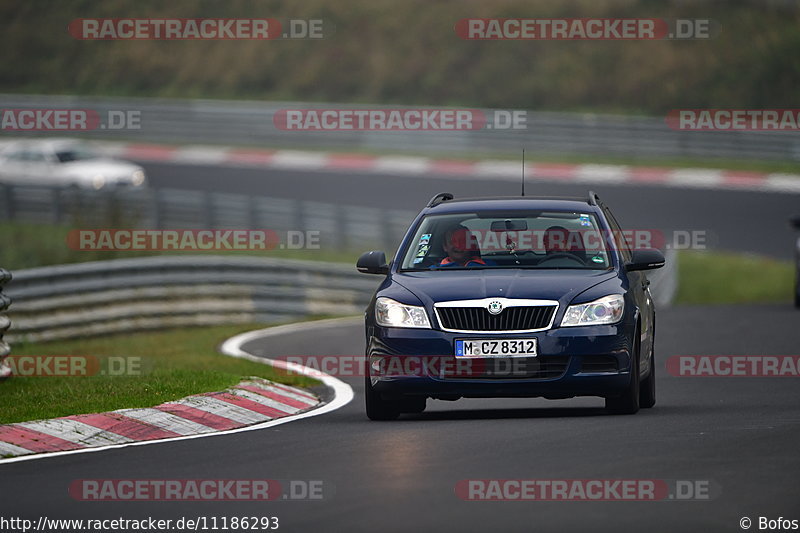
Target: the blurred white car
pixel 65 162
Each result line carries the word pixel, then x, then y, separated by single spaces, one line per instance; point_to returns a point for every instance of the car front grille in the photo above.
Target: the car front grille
pixel 542 367
pixel 510 319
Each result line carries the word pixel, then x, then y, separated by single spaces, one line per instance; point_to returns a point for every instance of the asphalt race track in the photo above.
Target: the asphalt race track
pixel 733 220
pixel 738 434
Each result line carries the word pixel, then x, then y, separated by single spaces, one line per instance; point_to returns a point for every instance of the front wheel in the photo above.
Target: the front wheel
pixel 647 389
pixel 628 403
pixel 413 404
pixel 377 407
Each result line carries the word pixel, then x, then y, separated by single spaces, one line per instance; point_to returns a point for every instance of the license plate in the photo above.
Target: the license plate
pixel 496 348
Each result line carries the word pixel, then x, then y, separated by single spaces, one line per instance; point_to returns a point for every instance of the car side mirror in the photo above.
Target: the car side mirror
pixel 645 259
pixel 372 263
pixel 795 221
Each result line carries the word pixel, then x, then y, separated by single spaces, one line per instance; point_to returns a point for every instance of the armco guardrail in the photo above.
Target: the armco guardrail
pixel 340 227
pixel 123 295
pixel 251 123
pixel 5 323
pixel 114 296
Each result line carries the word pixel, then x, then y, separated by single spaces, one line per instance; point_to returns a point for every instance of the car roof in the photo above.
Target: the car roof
pixel 533 203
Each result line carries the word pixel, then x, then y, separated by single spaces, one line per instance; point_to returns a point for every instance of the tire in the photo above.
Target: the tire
pixel 377 407
pixel 647 388
pixel 628 403
pixel 413 404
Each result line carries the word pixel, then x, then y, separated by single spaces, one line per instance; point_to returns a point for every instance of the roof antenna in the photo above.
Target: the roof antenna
pixel 523 172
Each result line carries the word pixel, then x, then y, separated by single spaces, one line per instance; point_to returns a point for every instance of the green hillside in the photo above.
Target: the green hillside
pixel 407 52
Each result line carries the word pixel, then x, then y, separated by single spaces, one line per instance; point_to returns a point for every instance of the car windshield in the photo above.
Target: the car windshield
pixel 536 240
pixel 68 155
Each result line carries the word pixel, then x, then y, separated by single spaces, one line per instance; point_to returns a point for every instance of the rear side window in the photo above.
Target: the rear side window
pixel 74 154
pixel 35 156
pixel 15 155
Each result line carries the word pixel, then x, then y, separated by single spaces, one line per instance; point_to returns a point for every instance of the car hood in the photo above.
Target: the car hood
pixel 441 286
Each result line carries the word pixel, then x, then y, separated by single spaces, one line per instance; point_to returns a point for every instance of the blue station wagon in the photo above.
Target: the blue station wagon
pixel 511 297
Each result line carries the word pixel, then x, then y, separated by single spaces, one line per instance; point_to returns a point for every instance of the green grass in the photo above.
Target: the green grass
pixel 26 245
pixel 174 364
pixel 729 278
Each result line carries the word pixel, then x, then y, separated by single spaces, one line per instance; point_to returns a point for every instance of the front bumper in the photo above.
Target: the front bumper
pixel 574 361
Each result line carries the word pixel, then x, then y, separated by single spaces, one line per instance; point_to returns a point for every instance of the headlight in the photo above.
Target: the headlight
pixel 606 310
pixel 137 178
pixel 98 181
pixel 394 314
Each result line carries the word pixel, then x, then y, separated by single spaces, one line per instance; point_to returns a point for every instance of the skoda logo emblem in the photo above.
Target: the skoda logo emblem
pixel 494 307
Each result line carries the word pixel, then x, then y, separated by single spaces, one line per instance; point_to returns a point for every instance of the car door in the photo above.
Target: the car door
pixel 640 289
pixel 39 169
pixel 13 167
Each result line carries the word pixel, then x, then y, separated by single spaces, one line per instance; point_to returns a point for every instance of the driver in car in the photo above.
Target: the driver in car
pixel 559 242
pixel 555 240
pixel 461 248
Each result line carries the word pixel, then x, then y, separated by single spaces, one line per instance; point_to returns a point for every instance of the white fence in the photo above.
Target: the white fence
pixel 102 297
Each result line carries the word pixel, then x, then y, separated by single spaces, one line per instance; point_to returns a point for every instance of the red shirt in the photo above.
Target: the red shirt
pixel 474 259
